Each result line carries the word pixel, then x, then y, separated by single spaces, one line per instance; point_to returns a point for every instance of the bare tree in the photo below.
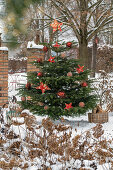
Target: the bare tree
pixel 80 20
pixel 79 16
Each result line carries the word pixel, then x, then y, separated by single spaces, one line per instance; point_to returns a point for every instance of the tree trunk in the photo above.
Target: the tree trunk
pixel 43 29
pixel 83 53
pixel 94 54
pixel 83 49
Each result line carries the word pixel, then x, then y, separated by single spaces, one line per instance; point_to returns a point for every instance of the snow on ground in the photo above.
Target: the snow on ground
pixel 14 82
pixel 80 123
pixel 21 130
pixel 4 48
pixel 31 44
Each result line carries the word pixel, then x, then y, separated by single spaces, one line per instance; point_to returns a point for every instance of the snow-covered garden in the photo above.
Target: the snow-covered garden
pixel 36 142
pixel 56 85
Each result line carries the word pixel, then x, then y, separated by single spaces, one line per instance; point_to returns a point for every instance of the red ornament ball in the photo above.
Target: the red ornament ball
pixel 45 49
pixel 81 104
pixel 61 94
pixel 69 74
pixel 28 85
pixel 46 107
pixel 39 60
pixel 84 84
pixel 40 74
pixel 69 44
pixel 23 98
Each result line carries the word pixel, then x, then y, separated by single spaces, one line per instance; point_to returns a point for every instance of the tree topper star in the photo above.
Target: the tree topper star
pixel 68 106
pixel 56 25
pixel 51 59
pixel 80 69
pixel 43 87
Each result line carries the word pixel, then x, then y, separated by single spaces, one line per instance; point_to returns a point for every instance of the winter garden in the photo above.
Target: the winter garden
pixel 56 78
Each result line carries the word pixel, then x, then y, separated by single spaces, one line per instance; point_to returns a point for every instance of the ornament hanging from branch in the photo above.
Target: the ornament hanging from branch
pixel 39 60
pixel 63 55
pixel 40 103
pixel 61 94
pixel 81 104
pixel 56 45
pixel 84 84
pixel 28 86
pixel 45 49
pixel 69 44
pixel 29 98
pixel 80 69
pixel 43 87
pixel 51 59
pixel 40 74
pixel 68 106
pixel 69 74
pixel 23 98
pixel 56 25
pixel 46 107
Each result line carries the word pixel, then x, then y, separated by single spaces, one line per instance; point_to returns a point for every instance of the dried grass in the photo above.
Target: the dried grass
pixel 54 144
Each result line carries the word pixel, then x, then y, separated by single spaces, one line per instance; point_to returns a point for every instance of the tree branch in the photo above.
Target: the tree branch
pixel 88 20
pixel 69 17
pixel 104 23
pixel 98 2
pixel 68 11
pixel 102 16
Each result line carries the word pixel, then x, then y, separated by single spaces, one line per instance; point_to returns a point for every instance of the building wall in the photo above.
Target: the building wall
pixel 3 77
pixel 34 54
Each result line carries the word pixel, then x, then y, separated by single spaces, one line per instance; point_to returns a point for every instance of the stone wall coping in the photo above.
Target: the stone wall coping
pixel 3 49
pixel 31 44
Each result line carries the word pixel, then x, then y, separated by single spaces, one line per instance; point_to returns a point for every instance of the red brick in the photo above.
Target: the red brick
pixel 4 67
pixel 3 60
pixel 5 64
pixel 1 104
pixel 3 91
pixel 4 76
pixel 5 95
pixel 4 98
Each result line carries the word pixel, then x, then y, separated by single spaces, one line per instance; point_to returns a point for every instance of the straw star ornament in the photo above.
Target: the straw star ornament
pixel 68 106
pixel 43 87
pixel 56 25
pixel 56 45
pixel 80 69
pixel 51 59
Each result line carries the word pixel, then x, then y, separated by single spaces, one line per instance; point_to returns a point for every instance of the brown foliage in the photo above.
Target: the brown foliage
pixel 54 144
pixel 105 59
pixel 17 65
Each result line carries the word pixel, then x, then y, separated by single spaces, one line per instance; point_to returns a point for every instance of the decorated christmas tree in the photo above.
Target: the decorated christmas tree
pixel 61 86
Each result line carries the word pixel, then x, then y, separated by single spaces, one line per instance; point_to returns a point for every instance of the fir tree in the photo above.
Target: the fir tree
pixel 61 86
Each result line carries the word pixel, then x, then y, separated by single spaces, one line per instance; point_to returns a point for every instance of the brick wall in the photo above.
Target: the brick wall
pixel 34 54
pixel 3 77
